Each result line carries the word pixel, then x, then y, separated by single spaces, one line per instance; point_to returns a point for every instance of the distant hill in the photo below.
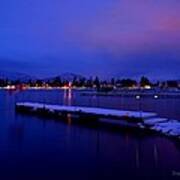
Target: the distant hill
pixel 66 77
pixel 13 76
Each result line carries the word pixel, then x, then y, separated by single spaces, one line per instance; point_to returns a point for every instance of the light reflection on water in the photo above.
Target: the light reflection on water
pixel 34 147
pixel 164 107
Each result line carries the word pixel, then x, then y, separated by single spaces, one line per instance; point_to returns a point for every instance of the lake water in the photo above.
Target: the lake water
pixel 36 148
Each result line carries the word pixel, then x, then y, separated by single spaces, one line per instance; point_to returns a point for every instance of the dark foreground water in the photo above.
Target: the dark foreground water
pixel 36 148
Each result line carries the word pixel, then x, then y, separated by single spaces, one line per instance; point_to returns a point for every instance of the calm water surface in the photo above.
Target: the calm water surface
pixel 36 148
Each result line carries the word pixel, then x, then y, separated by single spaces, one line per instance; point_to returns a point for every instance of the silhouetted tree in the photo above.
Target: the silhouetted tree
pixel 112 81
pixel 39 83
pixel 3 83
pixel 89 83
pixel 97 83
pixel 82 82
pixel 144 82
pixel 128 83
pixel 74 82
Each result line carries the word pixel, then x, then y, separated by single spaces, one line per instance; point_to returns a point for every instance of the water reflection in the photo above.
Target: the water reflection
pixel 16 133
pixel 137 160
pixel 67 97
pixel 61 149
pixel 155 155
pixel 69 119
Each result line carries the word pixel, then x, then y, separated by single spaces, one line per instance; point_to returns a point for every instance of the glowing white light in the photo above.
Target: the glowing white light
pixel 10 87
pixel 138 97
pixel 156 96
pixel 147 87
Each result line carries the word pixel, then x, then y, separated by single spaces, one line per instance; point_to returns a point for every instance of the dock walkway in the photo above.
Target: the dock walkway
pixel 93 111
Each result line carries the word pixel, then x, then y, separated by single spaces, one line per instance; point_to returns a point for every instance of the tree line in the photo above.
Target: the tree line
pixel 91 83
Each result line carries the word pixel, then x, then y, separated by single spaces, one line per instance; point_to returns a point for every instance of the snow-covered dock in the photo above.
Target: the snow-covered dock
pixel 143 120
pixel 164 126
pixel 91 111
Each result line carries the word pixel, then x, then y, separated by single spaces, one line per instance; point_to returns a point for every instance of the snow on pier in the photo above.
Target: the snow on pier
pixel 164 126
pixel 100 112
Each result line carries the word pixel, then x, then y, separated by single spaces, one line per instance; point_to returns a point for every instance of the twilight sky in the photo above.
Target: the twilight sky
pixel 126 38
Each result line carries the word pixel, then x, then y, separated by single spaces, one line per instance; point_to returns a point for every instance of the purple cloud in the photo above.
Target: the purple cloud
pixel 130 27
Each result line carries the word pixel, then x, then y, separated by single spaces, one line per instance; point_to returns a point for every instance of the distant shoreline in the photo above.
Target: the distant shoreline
pixel 137 93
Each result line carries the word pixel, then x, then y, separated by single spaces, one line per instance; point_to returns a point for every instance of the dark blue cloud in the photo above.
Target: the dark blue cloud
pixel 106 38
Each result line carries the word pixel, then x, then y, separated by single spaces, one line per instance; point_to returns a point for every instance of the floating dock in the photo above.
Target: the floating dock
pixel 144 120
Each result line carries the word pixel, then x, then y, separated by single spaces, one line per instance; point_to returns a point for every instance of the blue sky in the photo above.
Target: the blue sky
pixel 98 37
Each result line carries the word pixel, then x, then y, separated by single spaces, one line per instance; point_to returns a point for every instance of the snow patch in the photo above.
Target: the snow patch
pixel 90 110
